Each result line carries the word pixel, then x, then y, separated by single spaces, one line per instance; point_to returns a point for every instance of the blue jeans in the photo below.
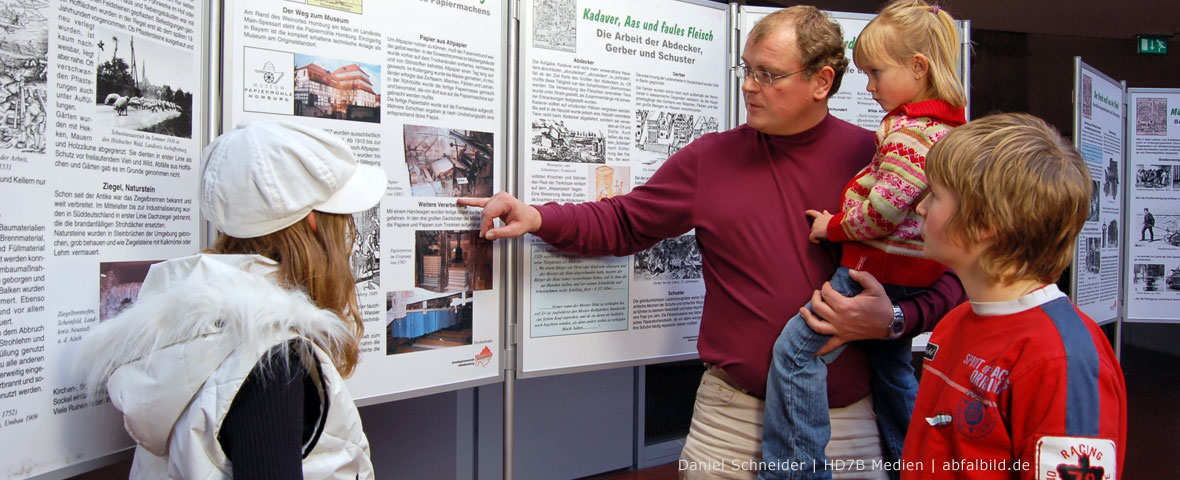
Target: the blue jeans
pixel 796 428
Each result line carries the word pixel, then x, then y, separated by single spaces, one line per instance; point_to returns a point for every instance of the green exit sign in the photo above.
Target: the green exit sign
pixel 1157 44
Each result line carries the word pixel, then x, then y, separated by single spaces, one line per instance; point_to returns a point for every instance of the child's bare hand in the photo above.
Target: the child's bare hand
pixel 819 225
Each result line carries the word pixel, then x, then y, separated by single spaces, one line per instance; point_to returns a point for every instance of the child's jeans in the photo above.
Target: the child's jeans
pixel 796 427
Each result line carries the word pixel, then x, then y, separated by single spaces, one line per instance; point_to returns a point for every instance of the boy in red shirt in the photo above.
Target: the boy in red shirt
pixel 1017 383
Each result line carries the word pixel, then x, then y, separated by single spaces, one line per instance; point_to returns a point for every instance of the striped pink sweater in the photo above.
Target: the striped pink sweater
pixel 881 230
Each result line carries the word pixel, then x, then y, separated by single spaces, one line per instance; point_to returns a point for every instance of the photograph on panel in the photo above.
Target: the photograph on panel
pixel 119 284
pixel 555 25
pixel 1110 182
pixel 1112 234
pixel 606 181
pixel 1094 255
pixel 338 89
pixel 1095 204
pixel 1153 177
pixel 143 85
pixel 448 162
pixel 554 141
pixel 1151 116
pixel 267 85
pixel 421 320
pixel 452 261
pixel 365 259
pixel 1175 177
pixel 660 134
pixel 24 66
pixel 1147 277
pixel 675 258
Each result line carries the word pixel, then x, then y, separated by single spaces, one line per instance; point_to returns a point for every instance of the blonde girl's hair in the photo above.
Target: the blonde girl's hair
pixel 315 262
pixel 905 28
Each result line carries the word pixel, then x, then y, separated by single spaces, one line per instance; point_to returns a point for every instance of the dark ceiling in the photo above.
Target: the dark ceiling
pixel 1080 18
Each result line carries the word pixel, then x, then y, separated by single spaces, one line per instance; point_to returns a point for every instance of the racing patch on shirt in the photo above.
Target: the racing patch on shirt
pixel 973 417
pixel 1069 458
pixel 931 351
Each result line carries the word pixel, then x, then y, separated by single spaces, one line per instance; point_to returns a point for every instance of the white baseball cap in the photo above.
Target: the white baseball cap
pixel 264 176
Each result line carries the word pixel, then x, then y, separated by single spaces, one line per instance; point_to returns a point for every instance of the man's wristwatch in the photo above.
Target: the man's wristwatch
pixel 897 326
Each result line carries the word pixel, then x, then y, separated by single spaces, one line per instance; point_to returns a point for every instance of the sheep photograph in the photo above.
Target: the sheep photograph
pixel 143 85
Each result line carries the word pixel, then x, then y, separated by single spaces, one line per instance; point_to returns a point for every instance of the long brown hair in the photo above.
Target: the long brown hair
pixel 315 262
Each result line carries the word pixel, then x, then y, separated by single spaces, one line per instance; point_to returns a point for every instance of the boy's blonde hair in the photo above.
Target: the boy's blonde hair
pixel 905 28
pixel 1020 186
pixel 819 39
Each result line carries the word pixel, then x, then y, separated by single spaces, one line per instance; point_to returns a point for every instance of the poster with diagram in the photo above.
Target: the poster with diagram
pixel 1152 229
pixel 416 88
pixel 610 90
pixel 1098 136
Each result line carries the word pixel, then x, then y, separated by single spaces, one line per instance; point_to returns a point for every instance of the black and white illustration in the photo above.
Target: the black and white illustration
pixel 1110 181
pixel 366 250
pixel 1148 277
pixel 1175 177
pixel 420 320
pixel 1094 254
pixel 665 133
pixel 1156 224
pixel 448 162
pixel 674 258
pixel 24 64
pixel 555 25
pixel 452 261
pixel 606 181
pixel 119 284
pixel 1087 96
pixel 340 89
pixel 143 85
pixel 1153 177
pixel 1151 116
pixel 1095 207
pixel 1112 234
pixel 554 141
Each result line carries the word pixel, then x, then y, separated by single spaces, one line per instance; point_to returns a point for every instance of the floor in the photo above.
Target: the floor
pixel 1153 423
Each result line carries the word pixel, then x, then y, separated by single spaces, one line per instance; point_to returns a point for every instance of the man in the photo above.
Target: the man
pixel 1148 226
pixel 745 191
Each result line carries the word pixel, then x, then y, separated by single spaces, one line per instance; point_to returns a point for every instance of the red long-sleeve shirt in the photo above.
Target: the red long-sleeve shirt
pixel 745 193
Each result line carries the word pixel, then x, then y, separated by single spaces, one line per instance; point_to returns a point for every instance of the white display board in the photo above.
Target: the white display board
pixel 1153 167
pixel 1098 136
pixel 416 88
pixel 609 91
pixel 100 144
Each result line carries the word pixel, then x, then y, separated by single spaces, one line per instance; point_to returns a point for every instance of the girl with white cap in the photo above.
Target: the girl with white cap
pixel 231 362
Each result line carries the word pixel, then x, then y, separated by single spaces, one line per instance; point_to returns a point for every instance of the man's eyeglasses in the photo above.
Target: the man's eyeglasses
pixel 761 77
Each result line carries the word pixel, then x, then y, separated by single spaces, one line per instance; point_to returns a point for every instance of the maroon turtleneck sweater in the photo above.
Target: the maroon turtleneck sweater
pixel 745 192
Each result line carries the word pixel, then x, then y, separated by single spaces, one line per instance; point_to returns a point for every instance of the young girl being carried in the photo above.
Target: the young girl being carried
pixel 910 52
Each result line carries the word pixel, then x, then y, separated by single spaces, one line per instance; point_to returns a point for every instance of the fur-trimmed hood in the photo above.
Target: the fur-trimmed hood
pixel 192 312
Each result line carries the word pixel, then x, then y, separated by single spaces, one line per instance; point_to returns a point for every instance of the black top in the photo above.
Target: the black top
pixel 274 419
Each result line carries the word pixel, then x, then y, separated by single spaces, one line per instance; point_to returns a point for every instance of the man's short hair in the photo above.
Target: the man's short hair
pixel 820 39
pixel 1019 185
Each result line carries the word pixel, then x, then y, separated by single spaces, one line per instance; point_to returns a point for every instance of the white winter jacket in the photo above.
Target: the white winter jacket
pixel 174 361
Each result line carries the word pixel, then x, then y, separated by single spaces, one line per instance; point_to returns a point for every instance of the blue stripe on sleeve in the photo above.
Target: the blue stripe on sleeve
pixel 1082 401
